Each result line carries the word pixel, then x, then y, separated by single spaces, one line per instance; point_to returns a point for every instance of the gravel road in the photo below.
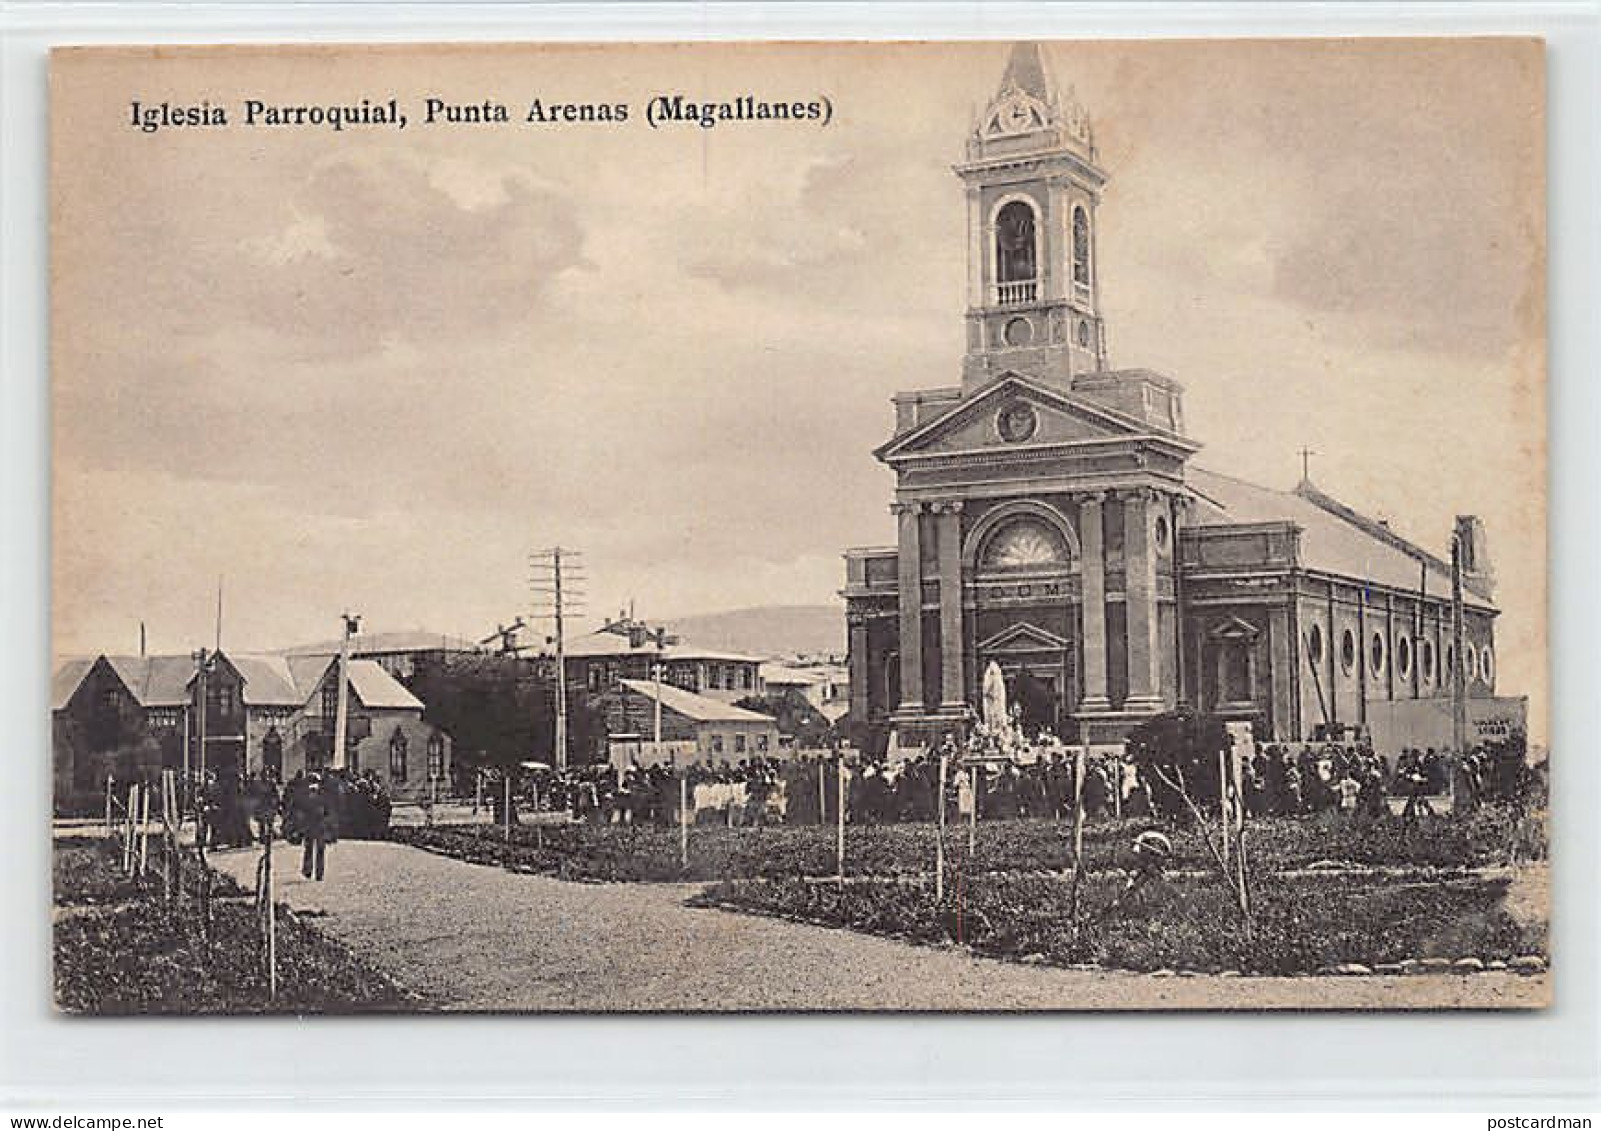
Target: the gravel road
pixel 479 938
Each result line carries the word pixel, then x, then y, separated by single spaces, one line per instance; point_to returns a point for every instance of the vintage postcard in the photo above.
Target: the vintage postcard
pixel 800 527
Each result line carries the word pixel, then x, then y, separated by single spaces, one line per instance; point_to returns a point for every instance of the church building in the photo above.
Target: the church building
pixel 1050 520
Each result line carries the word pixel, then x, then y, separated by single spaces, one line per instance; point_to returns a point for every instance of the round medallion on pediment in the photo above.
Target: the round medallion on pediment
pixel 1017 422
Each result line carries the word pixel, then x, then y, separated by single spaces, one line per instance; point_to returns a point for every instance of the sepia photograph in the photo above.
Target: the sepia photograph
pixel 975 526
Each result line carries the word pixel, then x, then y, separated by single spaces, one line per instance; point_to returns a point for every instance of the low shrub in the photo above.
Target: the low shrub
pixel 120 950
pixel 137 959
pixel 639 853
pixel 1300 926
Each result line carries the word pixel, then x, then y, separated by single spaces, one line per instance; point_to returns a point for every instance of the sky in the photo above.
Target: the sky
pixel 375 369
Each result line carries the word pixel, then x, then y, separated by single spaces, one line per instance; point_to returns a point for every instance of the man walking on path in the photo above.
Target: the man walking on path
pixel 318 823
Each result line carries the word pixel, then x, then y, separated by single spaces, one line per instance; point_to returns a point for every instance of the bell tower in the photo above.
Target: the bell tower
pixel 1033 185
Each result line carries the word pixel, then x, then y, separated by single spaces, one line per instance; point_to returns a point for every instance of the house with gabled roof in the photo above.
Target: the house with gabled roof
pixel 130 716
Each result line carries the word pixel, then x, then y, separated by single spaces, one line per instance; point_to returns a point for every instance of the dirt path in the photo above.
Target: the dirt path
pixel 480 938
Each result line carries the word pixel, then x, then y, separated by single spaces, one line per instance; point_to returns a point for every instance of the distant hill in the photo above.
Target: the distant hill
pixel 772 630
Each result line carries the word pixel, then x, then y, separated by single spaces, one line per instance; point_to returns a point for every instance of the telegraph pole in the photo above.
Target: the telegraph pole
pixel 557 585
pixel 1459 702
pixel 202 660
pixel 342 712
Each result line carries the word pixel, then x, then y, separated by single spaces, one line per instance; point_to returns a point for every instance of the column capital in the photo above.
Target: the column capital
pixel 1085 498
pixel 1139 494
pixel 946 506
pixel 907 508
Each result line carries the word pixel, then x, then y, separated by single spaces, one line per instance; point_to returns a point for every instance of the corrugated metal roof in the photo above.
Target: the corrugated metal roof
pixel 269 680
pixel 66 679
pixel 155 681
pixel 377 688
pixel 306 672
pixel 373 643
pixel 1329 543
pixel 698 708
pixel 600 644
pixel 787 676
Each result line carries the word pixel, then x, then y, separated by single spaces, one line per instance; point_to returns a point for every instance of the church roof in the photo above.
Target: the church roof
pixel 1334 538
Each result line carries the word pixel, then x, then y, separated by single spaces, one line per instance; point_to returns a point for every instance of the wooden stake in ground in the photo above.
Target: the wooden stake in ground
pixel 1080 757
pixel 127 830
pixel 144 829
pixel 539 824
pixel 683 819
pixel 108 805
pixel 972 813
pixel 1224 817
pixel 272 920
pixel 840 846
pixel 507 810
pixel 939 845
pixel 169 846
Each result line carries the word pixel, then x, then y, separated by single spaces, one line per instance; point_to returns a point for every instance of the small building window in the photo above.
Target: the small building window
pixel 1348 651
pixel 1014 243
pixel 1426 659
pixel 761 744
pixel 739 744
pixel 397 755
pixel 1378 654
pixel 717 744
pixel 1081 247
pixel 1403 657
pixel 1235 672
pixel 272 754
pixel 436 755
pixel 1314 644
pixel 1470 663
pixel 1487 665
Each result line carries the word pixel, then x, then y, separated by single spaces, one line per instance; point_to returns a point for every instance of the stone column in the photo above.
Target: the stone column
pixel 861 670
pixel 1139 572
pixel 1092 575
pixel 978 237
pixel 910 560
pixel 953 685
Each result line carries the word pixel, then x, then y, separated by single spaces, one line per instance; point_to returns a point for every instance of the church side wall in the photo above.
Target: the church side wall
pixel 1400 648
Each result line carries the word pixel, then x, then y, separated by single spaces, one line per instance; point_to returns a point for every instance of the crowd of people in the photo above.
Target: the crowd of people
pixel 1276 780
pixel 235 811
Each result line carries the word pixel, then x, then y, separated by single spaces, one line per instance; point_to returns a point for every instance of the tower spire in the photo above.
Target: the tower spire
pixel 1025 71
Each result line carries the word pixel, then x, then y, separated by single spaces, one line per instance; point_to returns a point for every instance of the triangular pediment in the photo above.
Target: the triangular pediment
pixel 1012 412
pixel 1022 637
pixel 1233 628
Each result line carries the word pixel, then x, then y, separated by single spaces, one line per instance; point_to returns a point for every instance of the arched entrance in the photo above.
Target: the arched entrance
pixel 1040 672
pixel 1024 559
